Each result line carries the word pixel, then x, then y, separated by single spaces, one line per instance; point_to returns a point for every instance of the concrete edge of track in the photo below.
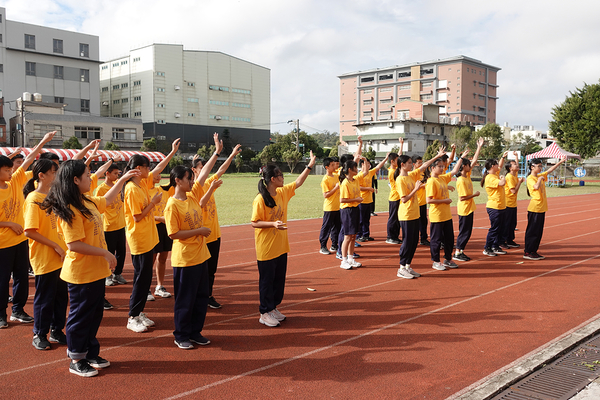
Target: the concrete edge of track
pixel 494 383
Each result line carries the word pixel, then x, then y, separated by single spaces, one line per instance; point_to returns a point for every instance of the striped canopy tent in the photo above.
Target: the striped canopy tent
pixel 553 151
pixel 104 155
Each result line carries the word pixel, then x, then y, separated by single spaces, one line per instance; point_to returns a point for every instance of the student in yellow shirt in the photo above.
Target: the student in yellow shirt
pixel 393 225
pixel 141 233
pixel 46 254
pixel 14 252
pixel 423 222
pixel 408 183
pixel 439 212
pixel 466 204
pixel 513 183
pixel 365 181
pixel 185 226
pixel 496 204
pixel 211 219
pixel 538 205
pixel 269 220
pixel 87 262
pixel 349 200
pixel 330 186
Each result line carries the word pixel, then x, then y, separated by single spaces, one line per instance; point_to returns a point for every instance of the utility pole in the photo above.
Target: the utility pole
pixel 297 129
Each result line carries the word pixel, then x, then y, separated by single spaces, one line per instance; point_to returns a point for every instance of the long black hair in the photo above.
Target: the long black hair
pixel 269 171
pixel 402 159
pixel 41 166
pixel 178 172
pixel 508 165
pixel 348 165
pixel 489 163
pixel 65 193
pixel 532 162
pixel 137 160
pixel 465 161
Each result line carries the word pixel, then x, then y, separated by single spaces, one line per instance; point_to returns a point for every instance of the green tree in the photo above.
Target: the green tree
pixel 334 150
pixel 292 158
pixel 463 137
pixel 205 152
pixel 175 161
pixel 525 144
pixel 270 153
pixel 111 146
pixel 326 138
pixel 247 154
pixel 494 141
pixel 576 121
pixel 431 150
pixel 149 145
pixel 369 154
pixel 72 143
pixel 239 162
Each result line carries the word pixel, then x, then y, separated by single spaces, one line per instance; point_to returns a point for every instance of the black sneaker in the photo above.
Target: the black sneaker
pixel 539 256
pixel 370 239
pixel 466 256
pixel 212 303
pixel 504 246
pixel 57 336
pixel 107 305
pixel 361 239
pixel 489 252
pixel 373 215
pixel 460 257
pixel 498 250
pixel 513 245
pixel 82 368
pixel 40 342
pixel 185 344
pixel 425 243
pixel 201 340
pixel 532 256
pixel 3 323
pixel 21 316
pixel 98 362
pixel 333 249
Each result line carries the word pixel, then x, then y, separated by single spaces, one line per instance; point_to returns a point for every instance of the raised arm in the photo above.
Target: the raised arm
pixel 36 150
pixel 552 168
pixel 223 168
pixel 459 162
pixel 381 164
pixel 452 154
pixel 480 143
pixel 114 191
pixel 14 153
pixel 401 140
pixel 102 170
pixel 358 152
pixel 214 185
pixel 94 154
pixel 427 163
pixel 300 179
pixel 205 171
pixel 163 164
pixel 501 162
pixel 81 153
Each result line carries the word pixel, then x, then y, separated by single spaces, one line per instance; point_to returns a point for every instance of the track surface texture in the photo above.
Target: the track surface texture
pixel 362 333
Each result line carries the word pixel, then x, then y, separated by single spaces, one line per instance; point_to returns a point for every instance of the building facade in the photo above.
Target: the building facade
pixel 189 94
pixel 465 89
pixel 60 65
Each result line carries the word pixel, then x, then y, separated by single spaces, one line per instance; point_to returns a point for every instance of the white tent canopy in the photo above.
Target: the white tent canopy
pixel 553 151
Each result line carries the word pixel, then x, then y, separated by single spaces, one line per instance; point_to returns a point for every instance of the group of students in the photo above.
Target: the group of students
pixel 77 244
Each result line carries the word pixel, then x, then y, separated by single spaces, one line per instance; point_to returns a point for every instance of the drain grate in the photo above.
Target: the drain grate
pixel 560 380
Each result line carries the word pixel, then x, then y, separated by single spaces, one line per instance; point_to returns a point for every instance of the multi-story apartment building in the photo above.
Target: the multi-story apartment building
pixel 189 94
pixel 60 65
pixel 465 89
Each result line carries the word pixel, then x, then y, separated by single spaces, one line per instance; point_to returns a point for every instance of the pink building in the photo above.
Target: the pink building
pixel 465 89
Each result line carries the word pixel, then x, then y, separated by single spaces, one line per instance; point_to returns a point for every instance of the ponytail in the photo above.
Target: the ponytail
pixel 137 160
pixel 465 161
pixel 348 165
pixel 403 159
pixel 41 166
pixel 489 163
pixel 268 172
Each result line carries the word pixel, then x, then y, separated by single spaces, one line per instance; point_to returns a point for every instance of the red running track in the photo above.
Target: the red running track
pixel 363 333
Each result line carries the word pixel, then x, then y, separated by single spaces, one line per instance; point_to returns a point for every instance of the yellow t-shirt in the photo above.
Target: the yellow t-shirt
pixel 464 187
pixel 332 203
pixel 93 185
pixel 538 202
pixel 209 212
pixel 350 190
pixel 367 181
pixel 394 196
pixel 272 242
pixel 495 193
pixel 437 188
pixel 43 258
pixel 114 215
pixel 421 192
pixel 405 184
pixel 159 209
pixel 511 183
pixel 142 236
pixel 11 208
pixel 186 215
pixel 80 268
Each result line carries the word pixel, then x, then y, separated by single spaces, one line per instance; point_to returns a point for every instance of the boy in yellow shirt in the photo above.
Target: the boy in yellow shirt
pixel 330 186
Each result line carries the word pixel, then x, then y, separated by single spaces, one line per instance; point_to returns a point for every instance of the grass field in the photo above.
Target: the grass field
pixel 234 198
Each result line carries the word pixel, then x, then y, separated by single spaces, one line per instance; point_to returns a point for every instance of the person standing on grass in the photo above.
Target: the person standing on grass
pixel 14 252
pixel 538 205
pixel 408 183
pixel 513 183
pixel 349 200
pixel 330 186
pixel 47 251
pixel 211 220
pixel 440 215
pixel 185 226
pixel 393 225
pixel 496 204
pixel 466 203
pixel 88 261
pixel 269 220
pixel 141 233
pixel 417 163
pixel 365 180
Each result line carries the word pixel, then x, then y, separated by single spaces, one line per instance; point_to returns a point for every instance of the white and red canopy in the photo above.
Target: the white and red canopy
pixel 68 154
pixel 553 151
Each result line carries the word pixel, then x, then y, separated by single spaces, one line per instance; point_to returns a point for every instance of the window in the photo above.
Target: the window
pixel 87 132
pixel 160 73
pixel 105 89
pixel 367 113
pixel 136 59
pixel 481 85
pixel 386 77
pixel 242 91
pixel 58 72
pixel 30 68
pixel 124 85
pixel 404 87
pixel 29 41
pixel 367 102
pixel 159 137
pixel 104 67
pixel 426 97
pixel 124 62
pixel 426 71
pixel 218 103
pixel 115 64
pixel 159 89
pixel 221 88
pixel 242 105
pixel 59 99
pixel 385 89
pixel 124 133
pixel 368 91
pixel 1 68
pixel 481 97
pixel 426 84
pixel 125 100
pixel 385 112
pixel 84 50
pixel 57 46
pixel 137 114
pixel 193 100
pixel 404 74
pixel 137 98
pixel 137 83
pixel 383 101
pixel 117 101
pixel 241 119
pixel 219 117
pixel 39 130
pixel 85 105
pixel 191 84
pixel 190 144
pixel 115 87
pixel 160 105
pixel 367 79
pixel 126 115
pixel 160 121
pixel 85 75
pixel 191 115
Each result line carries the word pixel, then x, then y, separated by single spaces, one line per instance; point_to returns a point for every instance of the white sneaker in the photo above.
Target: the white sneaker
pixel 412 272
pixel 438 266
pixel 403 273
pixel 109 281
pixel 345 265
pixel 354 263
pixel 150 297
pixel 278 315
pixel 268 319
pixel 135 324
pixel 145 320
pixel 162 292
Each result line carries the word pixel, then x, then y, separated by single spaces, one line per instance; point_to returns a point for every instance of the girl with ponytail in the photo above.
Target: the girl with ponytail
pixel 269 220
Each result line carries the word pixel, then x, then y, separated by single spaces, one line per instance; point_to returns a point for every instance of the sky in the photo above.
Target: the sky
pixel 545 49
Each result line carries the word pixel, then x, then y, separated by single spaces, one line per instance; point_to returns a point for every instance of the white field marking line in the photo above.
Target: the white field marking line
pixel 372 332
pixel 312 300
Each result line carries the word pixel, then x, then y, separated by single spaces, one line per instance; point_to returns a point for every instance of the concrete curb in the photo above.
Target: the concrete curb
pixel 492 384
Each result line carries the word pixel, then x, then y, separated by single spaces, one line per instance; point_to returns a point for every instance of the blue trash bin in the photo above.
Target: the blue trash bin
pixel 581 183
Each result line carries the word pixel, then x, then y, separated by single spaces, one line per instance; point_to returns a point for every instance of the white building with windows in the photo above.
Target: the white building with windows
pixel 60 65
pixel 189 94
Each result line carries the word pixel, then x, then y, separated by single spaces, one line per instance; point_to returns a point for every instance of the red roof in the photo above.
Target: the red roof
pixel 68 154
